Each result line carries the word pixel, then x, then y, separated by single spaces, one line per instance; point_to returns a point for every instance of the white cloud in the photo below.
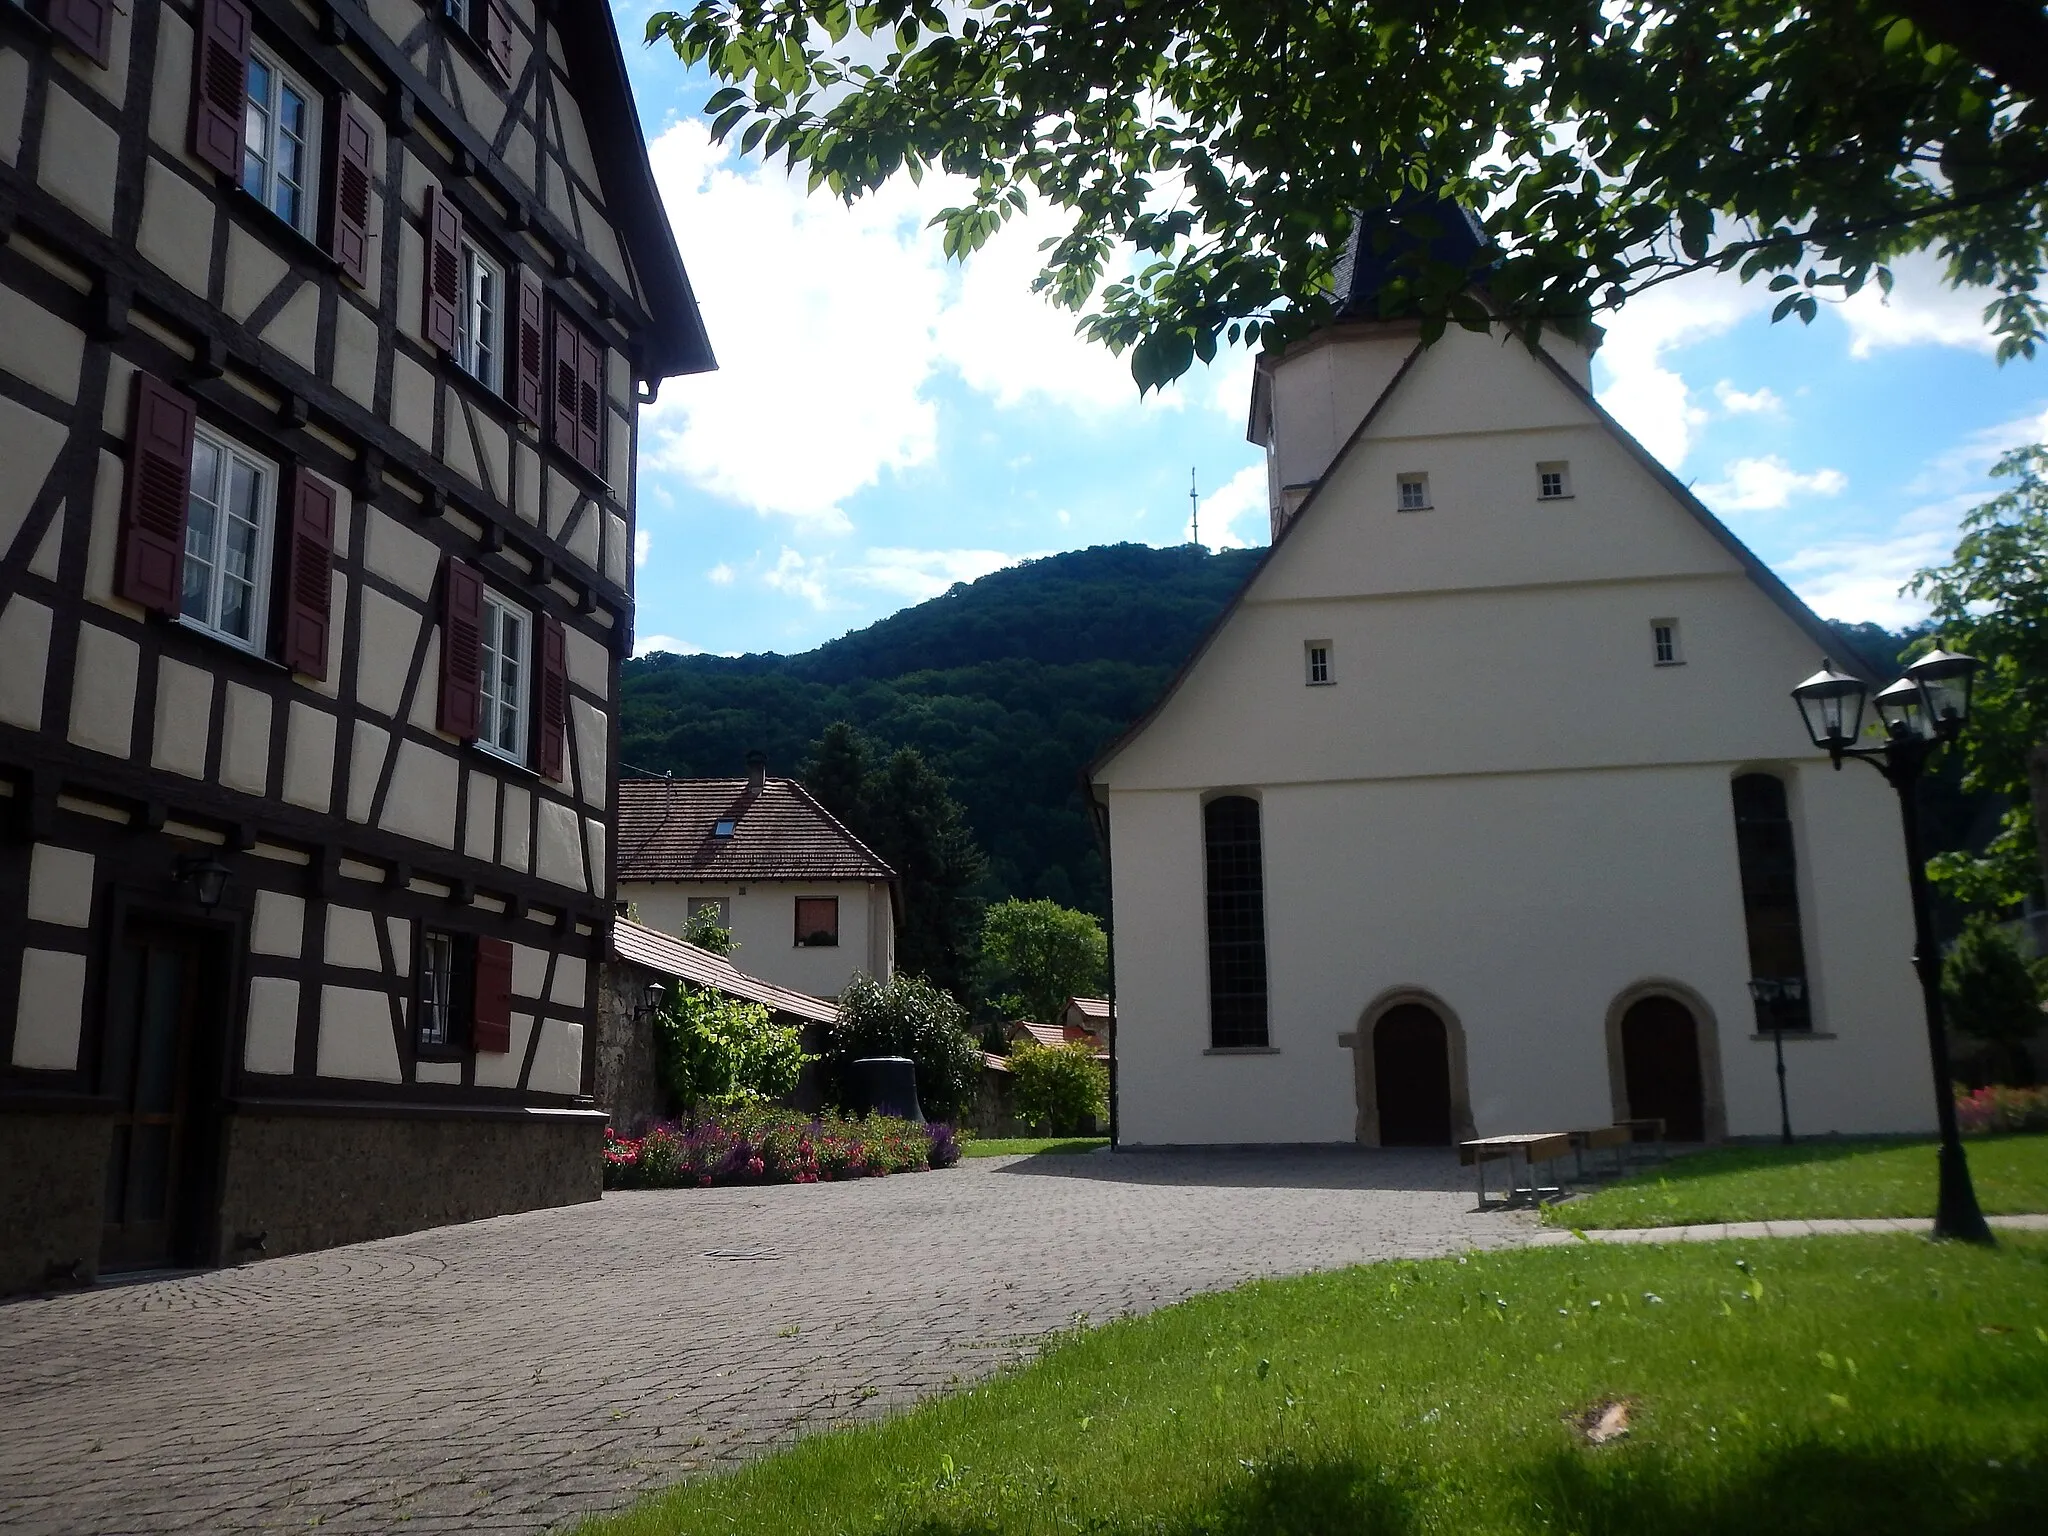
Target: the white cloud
pixel 1764 485
pixel 799 577
pixel 1761 401
pixel 1650 399
pixel 918 574
pixel 1240 499
pixel 720 575
pixel 1922 309
pixel 1861 581
pixel 647 645
pixel 641 540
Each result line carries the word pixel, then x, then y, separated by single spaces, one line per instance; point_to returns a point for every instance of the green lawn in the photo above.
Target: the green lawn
pixel 1031 1146
pixel 1837 1178
pixel 1847 1384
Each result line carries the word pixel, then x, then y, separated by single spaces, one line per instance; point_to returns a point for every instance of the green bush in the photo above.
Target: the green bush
pixel 905 1016
pixel 1058 1090
pixel 1992 992
pixel 718 1050
pixel 704 930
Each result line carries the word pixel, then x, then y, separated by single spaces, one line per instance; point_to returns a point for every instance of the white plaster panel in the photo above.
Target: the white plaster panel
pixel 29 445
pixel 170 100
pixel 103 691
pixel 49 1009
pixel 482 102
pixel 460 453
pixel 110 79
pixel 412 401
pixel 105 545
pixel 60 886
pixel 279 926
pixel 271 1044
pixel 425 714
pixel 245 740
pixel 445 1072
pixel 526 500
pixel 570 977
pixel 561 501
pixel 421 803
pixel 589 663
pixel 352 939
pixel 593 836
pixel 44 561
pixel 618 376
pixel 84 176
pixel 390 630
pixel 396 19
pixel 591 742
pixel 253 270
pixel 500 1069
pixel 184 718
pixel 399 555
pixel 296 327
pixel 365 764
pixel 763 922
pixel 355 1036
pixel 517 825
pixel 120 396
pixel 400 931
pixel 558 1059
pixel 617 559
pixel 529 971
pixel 618 464
pixel 559 857
pixel 582 543
pixel 37 346
pixel 25 642
pixel 13 98
pixel 177 228
pixel 492 437
pixel 480 829
pixel 519 157
pixel 309 758
pixel 355 354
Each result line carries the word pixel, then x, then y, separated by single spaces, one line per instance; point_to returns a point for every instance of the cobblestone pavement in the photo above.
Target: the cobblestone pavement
pixel 508 1375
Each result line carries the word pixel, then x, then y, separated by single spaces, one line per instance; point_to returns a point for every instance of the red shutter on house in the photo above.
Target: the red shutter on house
pixel 554 698
pixel 462 648
pixel 87 25
pixel 354 145
pixel 568 351
pixel 491 1015
pixel 497 38
pixel 152 561
pixel 590 405
pixel 442 280
pixel 220 85
pixel 309 598
pixel 530 376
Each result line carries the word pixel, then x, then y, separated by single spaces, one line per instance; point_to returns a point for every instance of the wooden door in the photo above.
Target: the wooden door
pixel 1411 1061
pixel 148 1067
pixel 1660 1062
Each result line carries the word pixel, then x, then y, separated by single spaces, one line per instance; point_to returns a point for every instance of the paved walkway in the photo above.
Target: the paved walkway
pixel 508 1375
pixel 1722 1230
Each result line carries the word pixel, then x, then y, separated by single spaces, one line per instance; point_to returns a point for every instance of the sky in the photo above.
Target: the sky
pixel 884 423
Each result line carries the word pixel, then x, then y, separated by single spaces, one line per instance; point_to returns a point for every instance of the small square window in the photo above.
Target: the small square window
pixel 1553 481
pixel 1414 493
pixel 1664 643
pixel 480 323
pixel 281 141
pixel 230 512
pixel 817 922
pixel 1318 659
pixel 501 725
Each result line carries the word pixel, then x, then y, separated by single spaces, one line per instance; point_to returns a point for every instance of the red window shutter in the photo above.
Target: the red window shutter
pixel 442 280
pixel 562 408
pixel 590 405
pixel 152 564
pixel 310 597
pixel 554 698
pixel 491 1020
pixel 462 649
pixel 220 85
pixel 530 374
pixel 354 145
pixel 497 38
pixel 87 25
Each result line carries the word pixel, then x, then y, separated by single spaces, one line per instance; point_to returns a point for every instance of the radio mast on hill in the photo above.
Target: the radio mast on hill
pixel 1194 511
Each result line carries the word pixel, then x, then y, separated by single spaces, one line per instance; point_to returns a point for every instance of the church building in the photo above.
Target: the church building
pixel 1485 801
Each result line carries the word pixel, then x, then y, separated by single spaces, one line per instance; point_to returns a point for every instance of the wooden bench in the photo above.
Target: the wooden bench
pixel 1539 1147
pixel 1648 1128
pixel 1599 1138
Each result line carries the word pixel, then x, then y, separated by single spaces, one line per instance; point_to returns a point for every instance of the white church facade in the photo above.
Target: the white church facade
pixel 1483 803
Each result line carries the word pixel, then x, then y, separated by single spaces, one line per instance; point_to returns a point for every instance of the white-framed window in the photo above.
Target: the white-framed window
pixel 437 991
pixel 1553 481
pixel 480 325
pixel 456 11
pixel 281 142
pixel 228 527
pixel 1413 493
pixel 1664 647
pixel 507 648
pixel 1316 655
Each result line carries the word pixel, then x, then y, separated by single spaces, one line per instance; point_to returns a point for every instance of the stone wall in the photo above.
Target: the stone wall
pixel 51 1198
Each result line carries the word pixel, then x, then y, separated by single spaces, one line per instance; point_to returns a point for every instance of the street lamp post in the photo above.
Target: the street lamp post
pixel 1773 996
pixel 1920 713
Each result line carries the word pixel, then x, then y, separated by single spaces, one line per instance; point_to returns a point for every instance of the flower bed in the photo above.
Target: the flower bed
pixel 774 1146
pixel 1989 1111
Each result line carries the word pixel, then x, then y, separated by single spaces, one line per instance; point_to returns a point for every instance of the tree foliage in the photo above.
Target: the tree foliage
pixel 716 1051
pixel 1994 992
pixel 703 929
pixel 1058 1090
pixel 905 1016
pixel 1991 600
pixel 1209 157
pixel 1037 954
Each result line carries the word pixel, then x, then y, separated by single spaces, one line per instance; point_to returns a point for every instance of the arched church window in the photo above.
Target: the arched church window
pixel 1770 902
pixel 1236 885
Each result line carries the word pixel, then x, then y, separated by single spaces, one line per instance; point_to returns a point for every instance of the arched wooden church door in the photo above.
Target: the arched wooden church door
pixel 1411 1065
pixel 1660 1063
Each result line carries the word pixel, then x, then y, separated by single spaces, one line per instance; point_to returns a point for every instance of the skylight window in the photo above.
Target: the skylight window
pixel 724 829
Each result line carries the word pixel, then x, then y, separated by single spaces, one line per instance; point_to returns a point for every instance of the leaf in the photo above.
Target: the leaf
pixel 1264 1367
pixel 1603 1422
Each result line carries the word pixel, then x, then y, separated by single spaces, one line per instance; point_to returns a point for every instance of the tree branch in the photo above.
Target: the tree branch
pixel 2007 39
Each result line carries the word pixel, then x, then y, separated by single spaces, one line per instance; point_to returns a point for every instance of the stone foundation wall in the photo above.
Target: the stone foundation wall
pixel 53 1171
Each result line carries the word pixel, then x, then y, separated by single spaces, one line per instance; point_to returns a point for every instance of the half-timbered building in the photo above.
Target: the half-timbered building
pixel 322 330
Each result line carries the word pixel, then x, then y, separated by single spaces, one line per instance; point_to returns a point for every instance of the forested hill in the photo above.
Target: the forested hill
pixel 1008 685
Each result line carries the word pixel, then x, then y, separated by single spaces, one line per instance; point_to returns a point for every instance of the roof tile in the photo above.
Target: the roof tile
pixel 667 831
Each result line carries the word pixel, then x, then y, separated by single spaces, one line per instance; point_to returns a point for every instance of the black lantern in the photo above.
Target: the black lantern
pixel 205 877
pixel 1832 704
pixel 1903 709
pixel 1945 680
